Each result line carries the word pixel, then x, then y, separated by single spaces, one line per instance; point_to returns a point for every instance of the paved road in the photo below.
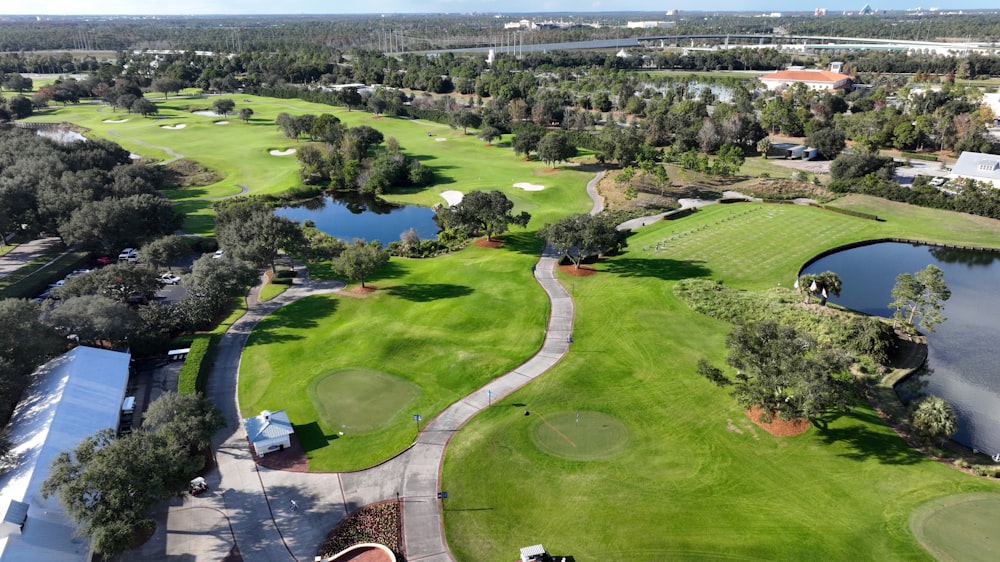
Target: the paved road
pixel 24 253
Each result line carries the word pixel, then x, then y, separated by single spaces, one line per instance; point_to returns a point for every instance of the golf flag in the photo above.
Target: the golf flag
pixel 796 284
pixel 824 293
pixel 813 287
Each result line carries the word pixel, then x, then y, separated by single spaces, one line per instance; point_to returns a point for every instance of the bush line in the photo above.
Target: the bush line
pixel 194 373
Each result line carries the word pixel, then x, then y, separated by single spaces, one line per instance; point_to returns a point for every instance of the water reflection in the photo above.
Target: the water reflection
pixel 352 215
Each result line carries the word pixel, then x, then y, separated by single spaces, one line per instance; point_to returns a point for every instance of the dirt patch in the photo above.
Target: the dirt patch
pixel 359 291
pixel 484 243
pixel 783 189
pixel 778 427
pixel 187 173
pixel 550 170
pixel 572 270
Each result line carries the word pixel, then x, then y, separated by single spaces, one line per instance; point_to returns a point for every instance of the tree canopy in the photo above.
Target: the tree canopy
pixel 483 212
pixel 361 259
pixel 578 237
pixel 920 295
pixel 250 231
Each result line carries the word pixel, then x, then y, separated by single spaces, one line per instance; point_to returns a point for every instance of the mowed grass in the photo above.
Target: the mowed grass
pixel 696 480
pixel 240 152
pixel 447 325
pixel 360 400
pixel 963 527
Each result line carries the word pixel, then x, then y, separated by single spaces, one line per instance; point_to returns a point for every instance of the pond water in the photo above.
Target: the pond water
pixel 367 218
pixel 963 351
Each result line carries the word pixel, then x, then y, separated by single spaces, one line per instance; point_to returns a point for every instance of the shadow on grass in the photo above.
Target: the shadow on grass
pixel 863 443
pixel 426 292
pixel 311 436
pixel 665 269
pixel 299 315
pixel 391 270
pixel 522 242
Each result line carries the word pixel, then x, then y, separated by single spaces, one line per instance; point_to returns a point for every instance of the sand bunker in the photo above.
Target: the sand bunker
pixel 529 186
pixel 114 120
pixel 205 113
pixel 441 139
pixel 222 122
pixel 452 197
pixel 173 127
pixel 287 152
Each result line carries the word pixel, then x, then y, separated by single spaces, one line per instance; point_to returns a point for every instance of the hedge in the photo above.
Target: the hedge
pixel 200 359
pixel 919 156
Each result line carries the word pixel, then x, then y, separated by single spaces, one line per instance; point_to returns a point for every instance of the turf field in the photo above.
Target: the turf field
pixel 963 527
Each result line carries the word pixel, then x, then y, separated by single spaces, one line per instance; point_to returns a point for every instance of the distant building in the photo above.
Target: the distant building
pixel 269 432
pixel 648 24
pixel 813 79
pixel 866 11
pixel 522 24
pixel 819 12
pixel 71 397
pixel 977 166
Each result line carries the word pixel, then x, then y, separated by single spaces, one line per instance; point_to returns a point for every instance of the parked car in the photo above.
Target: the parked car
pixel 102 261
pixel 130 255
pixel 219 254
pixel 169 278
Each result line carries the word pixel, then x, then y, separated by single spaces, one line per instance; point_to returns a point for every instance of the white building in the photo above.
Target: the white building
pixel 977 166
pixel 71 397
pixel 813 79
pixel 269 432
pixel 648 24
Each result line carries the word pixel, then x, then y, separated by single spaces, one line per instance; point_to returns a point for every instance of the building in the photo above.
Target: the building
pixel 269 432
pixel 977 166
pixel 71 397
pixel 813 79
pixel 534 553
pixel 648 24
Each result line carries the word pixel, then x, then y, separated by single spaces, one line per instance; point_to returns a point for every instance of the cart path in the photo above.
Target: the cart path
pixel 174 155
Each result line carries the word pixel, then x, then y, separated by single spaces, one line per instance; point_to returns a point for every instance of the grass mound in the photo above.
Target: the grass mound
pixel 580 436
pixel 360 400
pixel 959 527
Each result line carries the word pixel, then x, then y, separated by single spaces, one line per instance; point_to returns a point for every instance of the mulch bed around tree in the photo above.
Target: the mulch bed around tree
pixel 582 271
pixel 292 459
pixel 778 427
pixel 359 291
pixel 484 243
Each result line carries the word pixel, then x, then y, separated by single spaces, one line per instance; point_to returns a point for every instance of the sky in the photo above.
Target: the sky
pixel 173 7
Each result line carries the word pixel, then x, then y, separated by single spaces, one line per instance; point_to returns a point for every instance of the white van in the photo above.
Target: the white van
pixel 128 405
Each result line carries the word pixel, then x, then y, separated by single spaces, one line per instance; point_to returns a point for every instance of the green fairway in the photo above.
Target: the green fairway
pixel 360 400
pixel 960 528
pixel 697 480
pixel 240 153
pixel 580 436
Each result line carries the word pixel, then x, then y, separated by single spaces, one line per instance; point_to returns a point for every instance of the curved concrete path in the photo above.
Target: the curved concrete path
pixel 174 155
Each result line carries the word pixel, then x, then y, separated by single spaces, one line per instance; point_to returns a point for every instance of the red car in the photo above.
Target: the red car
pixel 102 261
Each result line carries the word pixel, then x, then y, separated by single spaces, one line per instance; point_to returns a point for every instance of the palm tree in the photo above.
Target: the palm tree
pixel 933 418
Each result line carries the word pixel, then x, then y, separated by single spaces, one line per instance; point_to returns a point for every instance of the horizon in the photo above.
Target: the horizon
pixel 127 8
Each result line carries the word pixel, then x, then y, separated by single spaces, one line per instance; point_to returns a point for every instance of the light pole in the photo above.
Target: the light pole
pixel 416 419
pixel 489 396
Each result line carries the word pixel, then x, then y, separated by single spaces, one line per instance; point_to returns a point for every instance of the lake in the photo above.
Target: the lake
pixel 368 218
pixel 964 350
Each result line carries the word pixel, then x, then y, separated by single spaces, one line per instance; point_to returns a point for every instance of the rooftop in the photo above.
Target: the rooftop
pixel 268 425
pixel 806 76
pixel 977 165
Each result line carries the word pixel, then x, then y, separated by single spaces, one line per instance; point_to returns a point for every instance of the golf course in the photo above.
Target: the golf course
pixel 619 452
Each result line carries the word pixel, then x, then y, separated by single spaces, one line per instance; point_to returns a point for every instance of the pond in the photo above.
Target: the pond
pixel 964 350
pixel 367 218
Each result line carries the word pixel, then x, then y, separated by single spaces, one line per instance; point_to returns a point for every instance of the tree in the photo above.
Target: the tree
pixel 93 319
pixel 327 128
pixel 224 106
pixel 119 282
pixel 829 142
pixel 245 114
pixel 165 85
pixel 822 284
pixel 933 419
pixel 555 147
pixel 482 212
pixel 526 140
pixel 763 147
pixel 488 134
pixel 287 124
pixel 188 419
pixel 20 107
pixel 111 224
pixel 164 250
pixel 784 372
pixel 464 118
pixel 248 230
pixel 578 237
pixel 211 286
pixel 923 295
pixel 143 107
pixel 25 343
pixel 360 259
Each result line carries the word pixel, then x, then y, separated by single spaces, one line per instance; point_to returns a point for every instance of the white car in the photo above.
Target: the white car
pixel 168 278
pixel 130 255
pixel 219 254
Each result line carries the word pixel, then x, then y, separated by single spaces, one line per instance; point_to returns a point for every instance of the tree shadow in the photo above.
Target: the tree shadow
pixel 311 436
pixel 864 444
pixel 391 270
pixel 302 314
pixel 523 242
pixel 665 269
pixel 426 292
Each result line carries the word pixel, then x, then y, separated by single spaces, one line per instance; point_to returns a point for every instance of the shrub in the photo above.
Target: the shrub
pixel 201 357
pixel 920 156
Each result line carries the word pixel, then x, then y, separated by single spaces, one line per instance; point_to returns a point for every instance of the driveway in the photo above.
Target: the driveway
pixel 24 253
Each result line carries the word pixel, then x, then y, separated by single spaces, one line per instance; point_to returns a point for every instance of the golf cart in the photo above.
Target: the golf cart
pixel 198 485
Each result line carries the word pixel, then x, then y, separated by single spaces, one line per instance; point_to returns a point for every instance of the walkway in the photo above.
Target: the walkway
pixel 174 155
pixel 24 254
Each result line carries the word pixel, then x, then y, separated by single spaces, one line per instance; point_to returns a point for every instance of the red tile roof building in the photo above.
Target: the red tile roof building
pixel 813 79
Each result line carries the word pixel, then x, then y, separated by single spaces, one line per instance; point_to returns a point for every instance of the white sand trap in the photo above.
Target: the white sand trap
pixel 115 121
pixel 222 122
pixel 452 197
pixel 441 139
pixel 287 152
pixel 205 113
pixel 529 186
pixel 174 127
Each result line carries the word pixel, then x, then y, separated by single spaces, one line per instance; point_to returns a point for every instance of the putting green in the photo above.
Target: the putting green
pixel 360 400
pixel 579 436
pixel 962 527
